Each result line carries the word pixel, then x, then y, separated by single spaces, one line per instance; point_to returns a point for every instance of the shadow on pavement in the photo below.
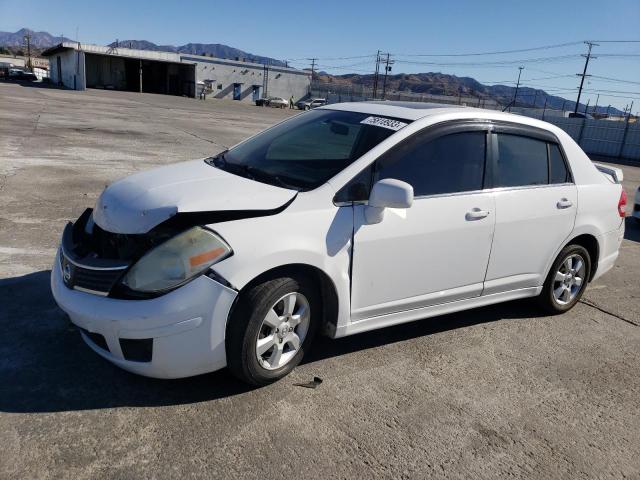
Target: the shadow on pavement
pixel 32 84
pixel 46 367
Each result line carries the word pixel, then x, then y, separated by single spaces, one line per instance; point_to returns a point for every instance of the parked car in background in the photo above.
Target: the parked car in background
pixel 347 218
pixel 588 116
pixel 19 74
pixel 276 102
pixel 636 206
pixel 311 103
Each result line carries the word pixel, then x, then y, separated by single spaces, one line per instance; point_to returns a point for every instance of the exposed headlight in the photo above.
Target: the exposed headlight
pixel 177 260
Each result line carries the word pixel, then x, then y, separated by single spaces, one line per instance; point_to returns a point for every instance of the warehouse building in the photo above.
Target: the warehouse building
pixel 79 66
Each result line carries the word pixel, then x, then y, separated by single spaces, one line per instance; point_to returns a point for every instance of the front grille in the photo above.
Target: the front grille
pixel 137 350
pixel 96 339
pixel 81 277
pixel 96 280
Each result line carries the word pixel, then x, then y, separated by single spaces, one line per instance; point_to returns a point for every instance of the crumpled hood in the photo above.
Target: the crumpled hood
pixel 138 203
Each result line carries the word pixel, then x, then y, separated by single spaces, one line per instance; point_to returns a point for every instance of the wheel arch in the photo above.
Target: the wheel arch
pixel 321 279
pixel 590 243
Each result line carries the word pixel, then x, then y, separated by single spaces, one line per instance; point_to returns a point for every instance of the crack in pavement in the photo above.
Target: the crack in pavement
pixel 591 304
pixel 201 138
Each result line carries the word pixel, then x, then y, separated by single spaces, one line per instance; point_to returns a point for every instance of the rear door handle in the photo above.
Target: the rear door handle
pixel 564 203
pixel 476 214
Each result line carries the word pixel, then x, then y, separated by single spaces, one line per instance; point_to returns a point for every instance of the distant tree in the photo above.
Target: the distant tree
pixel 5 51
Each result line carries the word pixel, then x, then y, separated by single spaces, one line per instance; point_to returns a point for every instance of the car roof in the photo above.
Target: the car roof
pixel 404 110
pixel 418 110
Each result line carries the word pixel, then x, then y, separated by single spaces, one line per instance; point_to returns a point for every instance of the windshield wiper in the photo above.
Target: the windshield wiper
pixel 257 174
pixel 248 171
pixel 218 161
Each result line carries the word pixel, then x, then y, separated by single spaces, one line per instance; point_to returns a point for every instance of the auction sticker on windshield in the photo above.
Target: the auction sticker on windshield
pixel 384 123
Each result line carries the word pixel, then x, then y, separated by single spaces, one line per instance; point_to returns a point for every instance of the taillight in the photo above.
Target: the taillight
pixel 622 203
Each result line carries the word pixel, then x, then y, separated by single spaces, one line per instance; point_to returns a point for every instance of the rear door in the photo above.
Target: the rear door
pixel 536 204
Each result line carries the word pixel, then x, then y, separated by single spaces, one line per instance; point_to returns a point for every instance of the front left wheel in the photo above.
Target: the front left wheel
pixel 272 326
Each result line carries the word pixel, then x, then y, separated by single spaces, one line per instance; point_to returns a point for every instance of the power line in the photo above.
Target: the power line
pixel 500 52
pixel 495 63
pixel 616 41
pixel 619 80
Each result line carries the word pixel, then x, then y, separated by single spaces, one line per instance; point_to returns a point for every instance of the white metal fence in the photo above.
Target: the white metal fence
pixel 612 138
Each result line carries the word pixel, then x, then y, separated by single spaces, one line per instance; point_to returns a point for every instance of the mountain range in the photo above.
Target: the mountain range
pixel 39 40
pixel 435 83
pixel 426 83
pixel 210 49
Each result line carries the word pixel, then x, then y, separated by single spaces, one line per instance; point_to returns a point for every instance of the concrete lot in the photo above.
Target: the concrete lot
pixel 494 392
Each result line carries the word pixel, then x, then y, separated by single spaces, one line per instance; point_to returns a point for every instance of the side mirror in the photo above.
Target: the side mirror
pixel 387 193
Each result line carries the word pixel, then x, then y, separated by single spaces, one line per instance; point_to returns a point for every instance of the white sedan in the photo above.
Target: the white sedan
pixel 343 219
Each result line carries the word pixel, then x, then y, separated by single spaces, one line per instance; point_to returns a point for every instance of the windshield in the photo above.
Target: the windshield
pixel 305 151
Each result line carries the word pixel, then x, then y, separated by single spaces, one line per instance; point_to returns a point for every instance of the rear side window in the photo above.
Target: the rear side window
pixel 521 161
pixel 558 172
pixel 448 164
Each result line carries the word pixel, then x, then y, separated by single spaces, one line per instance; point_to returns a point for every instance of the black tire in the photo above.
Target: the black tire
pixel 547 300
pixel 246 322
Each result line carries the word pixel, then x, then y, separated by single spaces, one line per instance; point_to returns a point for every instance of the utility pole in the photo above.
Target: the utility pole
pixel 535 97
pixel 584 72
pixel 595 108
pixel 313 67
pixel 27 39
pixel 265 81
pixel 515 94
pixel 387 69
pixel 375 77
pixel 586 108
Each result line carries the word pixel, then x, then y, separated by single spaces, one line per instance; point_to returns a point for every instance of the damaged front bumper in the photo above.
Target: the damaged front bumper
pixel 179 334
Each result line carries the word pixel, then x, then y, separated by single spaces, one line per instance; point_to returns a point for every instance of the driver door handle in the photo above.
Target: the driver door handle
pixel 564 203
pixel 476 214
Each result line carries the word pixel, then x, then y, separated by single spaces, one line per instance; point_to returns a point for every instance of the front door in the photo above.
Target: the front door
pixel 237 91
pixel 437 250
pixel 256 93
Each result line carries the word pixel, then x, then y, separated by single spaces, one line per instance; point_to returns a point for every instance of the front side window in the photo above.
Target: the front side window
pixel 522 161
pixel 305 151
pixel 449 164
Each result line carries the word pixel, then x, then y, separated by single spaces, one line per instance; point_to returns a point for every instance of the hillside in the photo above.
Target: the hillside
pixel 211 49
pixel 15 43
pixel 39 40
pixel 436 83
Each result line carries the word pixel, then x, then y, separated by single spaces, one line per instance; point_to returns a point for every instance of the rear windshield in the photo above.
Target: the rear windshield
pixel 307 150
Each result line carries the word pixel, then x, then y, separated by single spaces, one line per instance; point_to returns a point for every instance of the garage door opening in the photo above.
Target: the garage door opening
pixel 137 75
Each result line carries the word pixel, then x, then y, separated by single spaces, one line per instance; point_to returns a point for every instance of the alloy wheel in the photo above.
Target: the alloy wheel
pixel 569 279
pixel 283 331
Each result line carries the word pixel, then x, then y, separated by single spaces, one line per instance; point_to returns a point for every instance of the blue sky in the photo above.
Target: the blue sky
pixel 296 30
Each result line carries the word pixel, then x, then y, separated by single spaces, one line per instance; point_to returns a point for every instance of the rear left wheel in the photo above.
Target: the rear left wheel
pixel 567 280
